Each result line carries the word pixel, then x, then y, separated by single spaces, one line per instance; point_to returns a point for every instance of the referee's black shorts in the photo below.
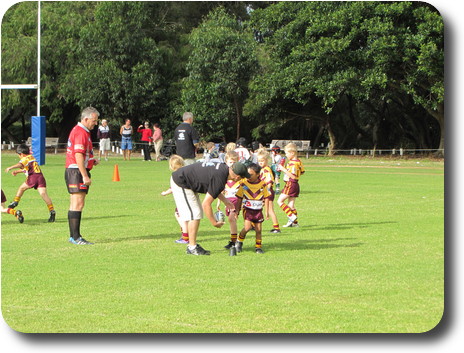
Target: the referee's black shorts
pixel 75 181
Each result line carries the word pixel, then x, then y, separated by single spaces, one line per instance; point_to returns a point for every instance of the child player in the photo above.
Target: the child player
pixel 276 161
pixel 230 192
pixel 17 213
pixel 292 173
pixel 34 179
pixel 176 162
pixel 252 194
pixel 267 176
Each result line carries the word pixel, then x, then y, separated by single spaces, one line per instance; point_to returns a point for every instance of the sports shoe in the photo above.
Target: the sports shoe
pixel 230 245
pixel 275 231
pixel 52 216
pixel 259 251
pixel 293 217
pixel 13 204
pixel 289 224
pixel 181 241
pixel 197 251
pixel 238 246
pixel 19 216
pixel 79 241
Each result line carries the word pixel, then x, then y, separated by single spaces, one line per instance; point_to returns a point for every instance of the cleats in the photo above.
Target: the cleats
pixel 52 217
pixel 230 245
pixel 259 251
pixel 79 241
pixel 13 204
pixel 19 216
pixel 275 231
pixel 293 217
pixel 198 250
pixel 181 241
pixel 238 246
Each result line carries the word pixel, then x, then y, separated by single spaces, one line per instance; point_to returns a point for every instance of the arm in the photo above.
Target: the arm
pixel 80 158
pixel 286 171
pixel 208 210
pixel 15 166
pixel 226 202
pixel 167 192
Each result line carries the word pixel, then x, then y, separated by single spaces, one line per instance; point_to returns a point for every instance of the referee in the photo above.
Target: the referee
pixel 79 161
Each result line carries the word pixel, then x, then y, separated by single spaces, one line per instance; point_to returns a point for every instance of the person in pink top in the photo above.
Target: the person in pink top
pixel 157 141
pixel 146 140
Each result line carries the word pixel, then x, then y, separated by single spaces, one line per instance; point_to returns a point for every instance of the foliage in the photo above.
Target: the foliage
pixel 220 64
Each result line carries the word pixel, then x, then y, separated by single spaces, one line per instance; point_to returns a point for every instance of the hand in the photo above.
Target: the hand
pixel 87 181
pixel 7 170
pixel 15 172
pixel 219 224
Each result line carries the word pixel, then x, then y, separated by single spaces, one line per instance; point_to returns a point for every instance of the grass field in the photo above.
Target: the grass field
pixel 368 256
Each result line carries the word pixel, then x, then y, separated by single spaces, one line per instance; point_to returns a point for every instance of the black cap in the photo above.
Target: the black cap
pixel 240 169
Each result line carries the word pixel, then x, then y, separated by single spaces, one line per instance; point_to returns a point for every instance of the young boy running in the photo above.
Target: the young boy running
pixel 34 179
pixel 267 176
pixel 252 194
pixel 230 192
pixel 292 173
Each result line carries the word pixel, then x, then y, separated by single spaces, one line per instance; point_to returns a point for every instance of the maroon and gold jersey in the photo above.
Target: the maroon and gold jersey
pixel 267 176
pixel 294 166
pixel 30 165
pixel 231 189
pixel 253 194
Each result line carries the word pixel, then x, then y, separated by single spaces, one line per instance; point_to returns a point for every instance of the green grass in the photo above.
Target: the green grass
pixel 368 257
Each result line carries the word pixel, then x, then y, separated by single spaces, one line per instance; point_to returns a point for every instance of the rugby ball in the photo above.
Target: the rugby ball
pixel 219 216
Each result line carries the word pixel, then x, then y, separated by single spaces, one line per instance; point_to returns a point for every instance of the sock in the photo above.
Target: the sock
pixel 50 207
pixel 233 238
pixel 286 209
pixel 241 237
pixel 74 220
pixel 276 226
pixel 296 214
pixel 258 243
pixel 17 199
pixel 11 211
pixel 185 236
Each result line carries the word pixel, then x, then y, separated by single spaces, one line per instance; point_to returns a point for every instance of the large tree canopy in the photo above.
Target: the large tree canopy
pixel 355 74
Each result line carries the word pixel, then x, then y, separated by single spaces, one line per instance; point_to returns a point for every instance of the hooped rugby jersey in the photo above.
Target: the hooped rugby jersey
pixel 79 142
pixel 294 166
pixel 253 194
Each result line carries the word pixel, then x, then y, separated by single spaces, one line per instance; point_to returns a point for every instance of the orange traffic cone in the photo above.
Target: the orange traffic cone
pixel 116 173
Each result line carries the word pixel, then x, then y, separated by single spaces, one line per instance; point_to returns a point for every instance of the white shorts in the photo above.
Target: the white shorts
pixel 105 144
pixel 187 202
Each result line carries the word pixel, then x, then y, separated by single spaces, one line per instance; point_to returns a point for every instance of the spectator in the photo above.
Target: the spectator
pixel 157 141
pixel 186 138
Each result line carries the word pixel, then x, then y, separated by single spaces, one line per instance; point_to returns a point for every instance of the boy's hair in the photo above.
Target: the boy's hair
pixel 175 162
pixel 24 149
pixel 231 155
pixel 231 146
pixel 262 153
pixel 255 167
pixel 291 147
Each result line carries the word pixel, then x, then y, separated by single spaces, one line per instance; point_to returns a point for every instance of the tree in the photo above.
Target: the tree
pixel 360 50
pixel 220 65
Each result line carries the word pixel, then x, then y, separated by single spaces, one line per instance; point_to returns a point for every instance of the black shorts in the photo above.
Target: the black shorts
pixel 75 181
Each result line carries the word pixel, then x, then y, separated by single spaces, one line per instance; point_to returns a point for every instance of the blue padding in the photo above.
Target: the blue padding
pixel 38 132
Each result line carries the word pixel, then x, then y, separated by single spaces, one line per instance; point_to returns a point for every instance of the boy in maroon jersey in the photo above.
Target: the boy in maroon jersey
pixel 34 179
pixel 79 161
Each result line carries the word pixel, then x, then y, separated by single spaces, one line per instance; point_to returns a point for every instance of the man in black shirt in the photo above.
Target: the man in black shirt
pixel 202 178
pixel 186 137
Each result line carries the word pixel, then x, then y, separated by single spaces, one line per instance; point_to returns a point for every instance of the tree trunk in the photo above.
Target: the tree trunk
pixel 439 115
pixel 238 115
pixel 333 140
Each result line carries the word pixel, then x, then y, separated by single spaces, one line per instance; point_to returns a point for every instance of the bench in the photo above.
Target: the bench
pixel 50 142
pixel 301 145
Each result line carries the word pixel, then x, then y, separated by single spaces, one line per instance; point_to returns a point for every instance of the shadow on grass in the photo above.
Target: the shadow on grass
pixel 315 244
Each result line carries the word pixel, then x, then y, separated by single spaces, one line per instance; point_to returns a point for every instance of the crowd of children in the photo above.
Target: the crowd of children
pixel 253 196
